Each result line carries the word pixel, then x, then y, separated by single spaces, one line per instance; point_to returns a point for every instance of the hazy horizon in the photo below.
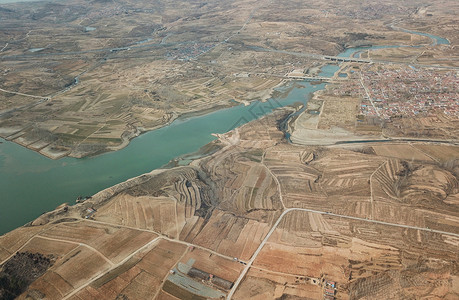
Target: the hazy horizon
pixel 14 1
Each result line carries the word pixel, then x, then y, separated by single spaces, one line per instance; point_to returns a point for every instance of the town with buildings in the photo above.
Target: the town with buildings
pixel 403 91
pixel 229 150
pixel 189 51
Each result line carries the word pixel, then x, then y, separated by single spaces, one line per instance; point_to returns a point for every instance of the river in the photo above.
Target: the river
pixel 31 184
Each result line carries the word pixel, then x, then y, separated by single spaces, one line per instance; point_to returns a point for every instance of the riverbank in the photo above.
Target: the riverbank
pixel 50 151
pixel 223 142
pixel 231 203
pixel 52 182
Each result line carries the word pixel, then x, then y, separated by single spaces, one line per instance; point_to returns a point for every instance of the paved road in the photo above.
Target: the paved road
pixel 254 256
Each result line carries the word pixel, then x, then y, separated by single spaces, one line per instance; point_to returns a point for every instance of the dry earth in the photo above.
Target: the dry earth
pixel 80 78
pixel 213 215
pixel 261 218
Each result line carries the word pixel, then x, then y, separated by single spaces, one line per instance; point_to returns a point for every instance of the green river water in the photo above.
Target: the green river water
pixel 31 184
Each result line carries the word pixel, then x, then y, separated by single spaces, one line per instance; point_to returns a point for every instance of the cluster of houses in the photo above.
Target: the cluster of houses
pixel 406 91
pixel 189 51
pixel 403 91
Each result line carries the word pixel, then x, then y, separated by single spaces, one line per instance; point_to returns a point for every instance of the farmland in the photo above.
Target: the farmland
pixel 378 220
pixel 336 198
pixel 87 82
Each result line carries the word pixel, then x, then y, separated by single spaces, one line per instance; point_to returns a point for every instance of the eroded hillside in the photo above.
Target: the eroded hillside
pixel 261 218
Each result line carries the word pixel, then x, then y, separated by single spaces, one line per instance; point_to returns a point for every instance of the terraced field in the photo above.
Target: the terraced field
pixel 229 235
pixel 112 242
pixel 300 255
pixel 61 279
pixel 145 212
pixel 401 151
pixel 230 224
pixel 139 277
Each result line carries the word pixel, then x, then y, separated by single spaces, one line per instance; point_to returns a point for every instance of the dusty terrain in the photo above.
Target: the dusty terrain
pixel 261 218
pixel 79 79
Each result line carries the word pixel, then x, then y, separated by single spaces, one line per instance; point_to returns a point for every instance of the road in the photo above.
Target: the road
pixel 78 244
pixel 112 265
pixel 22 94
pixel 248 263
pixel 255 254
pixel 367 92
pixel 279 190
pixel 389 139
pixel 100 274
pixel 165 238
pixel 42 99
pixel 4 47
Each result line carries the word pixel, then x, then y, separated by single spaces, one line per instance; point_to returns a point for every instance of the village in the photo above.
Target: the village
pixel 402 91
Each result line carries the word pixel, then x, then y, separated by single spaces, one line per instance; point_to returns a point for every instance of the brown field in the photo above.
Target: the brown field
pixel 48 247
pixel 227 269
pixel 62 278
pixel 399 151
pixel 200 204
pixel 116 70
pixel 227 234
pixel 442 153
pixel 145 212
pixel 426 56
pixel 437 127
pixel 139 278
pixel 338 111
pixel 146 63
pixel 359 265
pixel 252 187
pixel 179 293
pixel 165 296
pixel 264 284
pixel 14 240
pixel 112 242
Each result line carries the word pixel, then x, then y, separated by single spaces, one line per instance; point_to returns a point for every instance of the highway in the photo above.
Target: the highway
pixel 255 254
